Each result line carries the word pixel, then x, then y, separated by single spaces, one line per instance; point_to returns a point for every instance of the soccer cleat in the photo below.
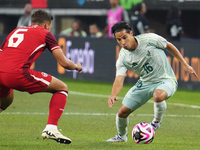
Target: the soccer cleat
pixel 155 124
pixel 55 135
pixel 118 138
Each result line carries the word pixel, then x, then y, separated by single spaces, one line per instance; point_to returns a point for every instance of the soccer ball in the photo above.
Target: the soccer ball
pixel 143 133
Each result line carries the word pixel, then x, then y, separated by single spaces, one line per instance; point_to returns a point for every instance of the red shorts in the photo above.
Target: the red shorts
pixel 29 81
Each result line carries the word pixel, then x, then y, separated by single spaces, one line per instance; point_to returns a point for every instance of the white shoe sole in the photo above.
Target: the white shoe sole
pixel 60 140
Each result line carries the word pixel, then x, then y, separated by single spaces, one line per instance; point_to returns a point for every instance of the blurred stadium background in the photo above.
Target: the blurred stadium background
pixel 91 52
pixel 87 118
pixel 95 11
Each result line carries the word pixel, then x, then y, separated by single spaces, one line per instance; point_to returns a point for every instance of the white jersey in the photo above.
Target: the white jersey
pixel 148 60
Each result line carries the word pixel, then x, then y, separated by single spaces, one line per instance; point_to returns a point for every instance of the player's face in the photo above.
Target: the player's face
pixel 125 40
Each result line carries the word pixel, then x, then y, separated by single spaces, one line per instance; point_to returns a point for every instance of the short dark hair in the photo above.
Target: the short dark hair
pixel 120 26
pixel 138 7
pixel 40 16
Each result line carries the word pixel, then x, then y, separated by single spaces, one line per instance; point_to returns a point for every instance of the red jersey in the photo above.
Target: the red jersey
pixel 23 46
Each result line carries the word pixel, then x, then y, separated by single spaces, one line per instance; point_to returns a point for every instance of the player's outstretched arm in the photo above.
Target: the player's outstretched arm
pixel 117 87
pixel 65 62
pixel 175 52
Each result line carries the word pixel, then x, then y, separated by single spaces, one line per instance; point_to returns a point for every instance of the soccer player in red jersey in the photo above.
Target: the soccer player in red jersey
pixel 19 50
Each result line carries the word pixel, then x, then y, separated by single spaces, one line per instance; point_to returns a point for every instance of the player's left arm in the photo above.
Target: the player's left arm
pixel 175 52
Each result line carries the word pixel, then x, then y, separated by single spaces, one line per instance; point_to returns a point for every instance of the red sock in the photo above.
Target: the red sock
pixel 56 107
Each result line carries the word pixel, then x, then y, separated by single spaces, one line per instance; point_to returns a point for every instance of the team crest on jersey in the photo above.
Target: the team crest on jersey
pixel 148 54
pixel 44 74
pixel 134 64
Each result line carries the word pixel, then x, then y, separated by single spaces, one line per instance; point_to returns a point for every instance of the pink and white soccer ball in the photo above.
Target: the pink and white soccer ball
pixel 143 133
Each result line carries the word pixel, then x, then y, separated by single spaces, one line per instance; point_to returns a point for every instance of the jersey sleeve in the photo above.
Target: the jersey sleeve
pixel 120 67
pixel 51 42
pixel 158 41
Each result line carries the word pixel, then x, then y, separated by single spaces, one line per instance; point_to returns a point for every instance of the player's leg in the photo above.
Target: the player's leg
pixel 6 97
pixel 134 99
pixel 122 122
pixel 58 100
pixel 56 108
pixel 160 106
pixel 34 82
pixel 163 91
pixel 55 85
pixel 6 101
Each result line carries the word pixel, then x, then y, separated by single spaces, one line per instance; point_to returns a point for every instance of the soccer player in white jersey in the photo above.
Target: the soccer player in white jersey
pixel 143 55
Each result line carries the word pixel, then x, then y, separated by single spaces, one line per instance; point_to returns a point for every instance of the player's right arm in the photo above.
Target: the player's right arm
pixel 119 79
pixel 59 55
pixel 117 87
pixel 65 62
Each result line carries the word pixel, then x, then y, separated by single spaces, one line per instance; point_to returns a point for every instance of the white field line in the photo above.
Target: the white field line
pixel 106 114
pixel 107 96
pixel 97 114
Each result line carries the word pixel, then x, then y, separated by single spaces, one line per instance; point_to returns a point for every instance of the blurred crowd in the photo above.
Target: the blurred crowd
pixel 136 18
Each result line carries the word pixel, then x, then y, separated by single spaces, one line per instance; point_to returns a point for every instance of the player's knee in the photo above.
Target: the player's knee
pixel 57 85
pixel 62 87
pixel 158 98
pixel 65 87
pixel 159 95
pixel 123 113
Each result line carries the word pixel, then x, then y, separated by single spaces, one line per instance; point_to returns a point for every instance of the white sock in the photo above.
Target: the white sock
pixel 159 110
pixel 122 124
pixel 1 110
pixel 51 127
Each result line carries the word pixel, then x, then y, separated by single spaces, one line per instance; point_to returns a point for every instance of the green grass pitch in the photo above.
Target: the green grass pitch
pixel 88 121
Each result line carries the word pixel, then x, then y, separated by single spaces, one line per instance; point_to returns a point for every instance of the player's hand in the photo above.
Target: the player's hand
pixel 111 100
pixel 79 67
pixel 190 70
